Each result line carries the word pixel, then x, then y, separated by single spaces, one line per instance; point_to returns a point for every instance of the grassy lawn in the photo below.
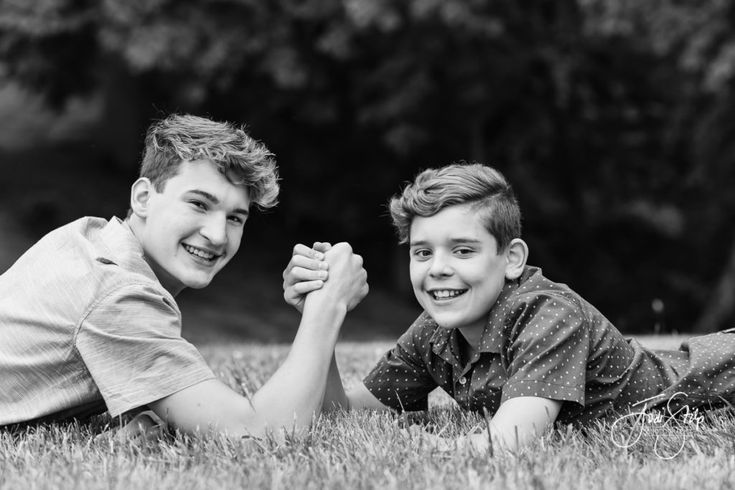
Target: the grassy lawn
pixel 370 450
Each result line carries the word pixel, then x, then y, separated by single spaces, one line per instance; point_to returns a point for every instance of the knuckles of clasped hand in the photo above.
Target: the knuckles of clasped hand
pixel 343 253
pixel 339 248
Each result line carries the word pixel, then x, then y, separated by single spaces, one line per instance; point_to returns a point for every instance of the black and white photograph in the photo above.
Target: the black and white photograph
pixel 367 244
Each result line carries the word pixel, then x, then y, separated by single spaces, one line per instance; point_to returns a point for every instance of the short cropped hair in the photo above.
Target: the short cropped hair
pixel 240 158
pixel 460 183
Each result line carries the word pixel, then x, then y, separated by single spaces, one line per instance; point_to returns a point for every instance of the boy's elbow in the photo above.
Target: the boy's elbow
pixel 229 423
pixel 209 408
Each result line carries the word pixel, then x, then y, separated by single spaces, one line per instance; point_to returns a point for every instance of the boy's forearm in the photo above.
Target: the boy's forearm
pixel 321 321
pixel 295 392
pixel 335 397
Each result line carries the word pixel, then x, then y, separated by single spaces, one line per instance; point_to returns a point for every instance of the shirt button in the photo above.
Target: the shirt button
pixel 463 380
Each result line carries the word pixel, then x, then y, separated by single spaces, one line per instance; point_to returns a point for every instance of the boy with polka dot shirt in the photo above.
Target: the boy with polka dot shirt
pixel 497 335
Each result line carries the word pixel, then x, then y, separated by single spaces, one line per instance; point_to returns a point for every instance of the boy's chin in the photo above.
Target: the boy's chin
pixel 454 324
pixel 197 283
pixel 448 325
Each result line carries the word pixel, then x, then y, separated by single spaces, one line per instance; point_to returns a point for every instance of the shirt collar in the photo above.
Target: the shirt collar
pixel 121 247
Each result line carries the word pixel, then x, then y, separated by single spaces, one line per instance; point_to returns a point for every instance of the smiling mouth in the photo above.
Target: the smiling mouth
pixel 446 294
pixel 201 253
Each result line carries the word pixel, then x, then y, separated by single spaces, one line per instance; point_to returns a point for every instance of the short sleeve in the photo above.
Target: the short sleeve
pixel 131 344
pixel 401 379
pixel 547 356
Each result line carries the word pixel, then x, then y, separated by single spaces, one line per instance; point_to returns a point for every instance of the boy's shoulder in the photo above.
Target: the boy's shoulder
pixel 115 256
pixel 78 264
pixel 533 281
pixel 534 298
pixel 533 287
pixel 64 248
pixel 91 240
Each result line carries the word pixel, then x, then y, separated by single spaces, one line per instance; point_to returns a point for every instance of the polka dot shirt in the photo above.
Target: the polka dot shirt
pixel 542 339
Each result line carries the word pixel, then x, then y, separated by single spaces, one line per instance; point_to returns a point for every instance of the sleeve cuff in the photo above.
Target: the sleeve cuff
pixel 120 405
pixel 528 387
pixel 395 400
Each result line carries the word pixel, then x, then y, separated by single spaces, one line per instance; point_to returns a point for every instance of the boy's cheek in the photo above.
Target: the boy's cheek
pixel 420 297
pixel 416 275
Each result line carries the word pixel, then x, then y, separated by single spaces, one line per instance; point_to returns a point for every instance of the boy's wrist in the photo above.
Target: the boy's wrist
pixel 326 299
pixel 325 308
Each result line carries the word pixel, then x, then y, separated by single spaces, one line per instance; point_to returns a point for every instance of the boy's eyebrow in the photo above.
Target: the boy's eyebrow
pixel 416 243
pixel 473 241
pixel 213 199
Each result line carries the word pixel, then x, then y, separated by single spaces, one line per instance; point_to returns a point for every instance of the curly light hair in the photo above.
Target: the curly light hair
pixel 481 186
pixel 242 159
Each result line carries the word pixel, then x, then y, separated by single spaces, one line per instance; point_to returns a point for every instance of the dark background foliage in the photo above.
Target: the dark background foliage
pixel 613 120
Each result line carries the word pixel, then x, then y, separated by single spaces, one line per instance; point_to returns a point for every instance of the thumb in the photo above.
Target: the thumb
pixel 322 246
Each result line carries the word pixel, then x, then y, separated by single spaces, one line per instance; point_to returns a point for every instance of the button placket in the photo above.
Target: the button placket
pixel 462 390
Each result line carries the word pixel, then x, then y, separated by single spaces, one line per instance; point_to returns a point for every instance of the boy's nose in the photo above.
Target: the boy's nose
pixel 214 229
pixel 439 266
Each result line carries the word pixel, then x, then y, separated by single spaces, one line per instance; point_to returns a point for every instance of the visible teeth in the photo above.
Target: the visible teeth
pixel 199 253
pixel 446 293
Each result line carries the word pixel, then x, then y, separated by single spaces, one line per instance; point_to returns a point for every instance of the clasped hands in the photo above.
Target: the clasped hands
pixel 329 269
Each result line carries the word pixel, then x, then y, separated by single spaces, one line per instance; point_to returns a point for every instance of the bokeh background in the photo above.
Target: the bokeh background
pixel 614 120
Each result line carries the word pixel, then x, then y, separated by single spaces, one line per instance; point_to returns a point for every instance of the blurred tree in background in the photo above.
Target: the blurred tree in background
pixel 613 119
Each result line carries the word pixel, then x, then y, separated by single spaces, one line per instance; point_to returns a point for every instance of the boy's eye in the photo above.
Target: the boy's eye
pixel 421 253
pixel 236 220
pixel 198 204
pixel 463 251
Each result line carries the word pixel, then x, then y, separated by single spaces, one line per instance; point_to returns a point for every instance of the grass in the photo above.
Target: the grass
pixel 366 449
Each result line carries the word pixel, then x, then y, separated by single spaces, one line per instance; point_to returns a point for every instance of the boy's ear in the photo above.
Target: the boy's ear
pixel 140 194
pixel 516 253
